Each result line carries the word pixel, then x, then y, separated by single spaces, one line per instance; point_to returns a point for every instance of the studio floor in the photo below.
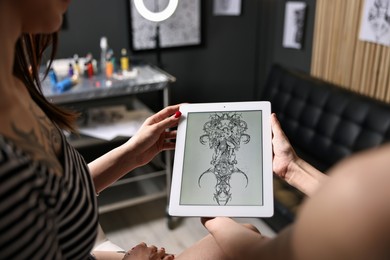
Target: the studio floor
pixel 148 223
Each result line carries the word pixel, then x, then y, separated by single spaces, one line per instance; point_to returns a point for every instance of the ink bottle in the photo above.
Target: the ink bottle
pixel 125 66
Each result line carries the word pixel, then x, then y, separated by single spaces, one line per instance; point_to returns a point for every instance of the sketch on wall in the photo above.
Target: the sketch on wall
pixel 375 26
pixel 224 134
pixel 294 23
pixel 183 28
pixel 227 7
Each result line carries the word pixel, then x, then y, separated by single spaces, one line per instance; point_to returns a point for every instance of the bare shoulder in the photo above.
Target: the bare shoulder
pixel 370 168
pixel 348 217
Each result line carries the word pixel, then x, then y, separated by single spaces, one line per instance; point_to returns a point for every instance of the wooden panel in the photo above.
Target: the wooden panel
pixel 341 58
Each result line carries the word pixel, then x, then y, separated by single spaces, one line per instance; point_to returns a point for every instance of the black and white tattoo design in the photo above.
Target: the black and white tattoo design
pixel 379 18
pixel 299 19
pixel 41 142
pixel 224 133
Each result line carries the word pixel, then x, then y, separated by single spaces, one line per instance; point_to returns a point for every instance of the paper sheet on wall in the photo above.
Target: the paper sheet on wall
pixel 108 123
pixel 375 25
pixel 294 22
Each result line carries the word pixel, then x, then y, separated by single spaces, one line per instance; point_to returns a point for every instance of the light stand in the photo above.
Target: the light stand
pixel 159 17
pixel 158 46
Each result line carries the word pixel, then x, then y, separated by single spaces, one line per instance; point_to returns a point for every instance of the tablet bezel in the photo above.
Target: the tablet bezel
pixel 265 210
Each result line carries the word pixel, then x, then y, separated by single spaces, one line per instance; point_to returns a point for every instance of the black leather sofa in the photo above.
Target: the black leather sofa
pixel 324 122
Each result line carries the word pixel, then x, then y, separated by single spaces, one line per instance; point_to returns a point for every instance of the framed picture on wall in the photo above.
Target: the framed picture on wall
pixel 182 29
pixel 294 24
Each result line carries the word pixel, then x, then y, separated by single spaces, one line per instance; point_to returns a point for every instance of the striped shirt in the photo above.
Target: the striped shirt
pixel 44 215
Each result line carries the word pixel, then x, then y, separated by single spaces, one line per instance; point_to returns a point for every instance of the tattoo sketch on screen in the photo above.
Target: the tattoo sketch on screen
pixel 224 133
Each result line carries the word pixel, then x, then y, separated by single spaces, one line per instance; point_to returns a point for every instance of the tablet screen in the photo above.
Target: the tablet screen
pixel 222 164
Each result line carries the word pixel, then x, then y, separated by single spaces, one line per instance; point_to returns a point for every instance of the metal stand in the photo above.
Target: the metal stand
pixel 158 47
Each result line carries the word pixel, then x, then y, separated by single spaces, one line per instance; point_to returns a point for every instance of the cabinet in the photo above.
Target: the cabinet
pixel 145 183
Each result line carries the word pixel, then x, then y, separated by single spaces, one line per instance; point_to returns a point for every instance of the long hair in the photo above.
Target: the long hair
pixel 29 52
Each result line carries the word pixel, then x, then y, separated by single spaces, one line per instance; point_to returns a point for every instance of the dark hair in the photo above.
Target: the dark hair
pixel 29 52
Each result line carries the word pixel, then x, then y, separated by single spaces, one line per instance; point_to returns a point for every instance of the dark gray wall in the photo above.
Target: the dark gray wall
pixel 270 50
pixel 300 59
pixel 88 20
pixel 232 63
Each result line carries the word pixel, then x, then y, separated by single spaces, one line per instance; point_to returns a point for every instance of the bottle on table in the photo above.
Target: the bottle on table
pixel 103 53
pixel 125 63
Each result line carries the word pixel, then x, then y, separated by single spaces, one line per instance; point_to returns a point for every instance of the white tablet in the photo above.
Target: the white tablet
pixel 223 161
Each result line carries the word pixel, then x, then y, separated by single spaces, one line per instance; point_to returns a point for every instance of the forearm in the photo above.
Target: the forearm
pixel 239 242
pixel 111 166
pixel 304 177
pixel 278 248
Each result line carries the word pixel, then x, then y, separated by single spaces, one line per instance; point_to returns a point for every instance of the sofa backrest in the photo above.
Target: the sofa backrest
pixel 324 122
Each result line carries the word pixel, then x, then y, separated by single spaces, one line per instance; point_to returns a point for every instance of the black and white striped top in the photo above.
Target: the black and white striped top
pixel 43 215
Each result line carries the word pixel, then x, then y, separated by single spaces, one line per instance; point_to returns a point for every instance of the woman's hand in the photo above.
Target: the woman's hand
pixel 144 252
pixel 154 136
pixel 151 138
pixel 284 154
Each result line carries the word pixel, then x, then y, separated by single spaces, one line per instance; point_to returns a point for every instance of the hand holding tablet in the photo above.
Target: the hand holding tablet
pixel 223 161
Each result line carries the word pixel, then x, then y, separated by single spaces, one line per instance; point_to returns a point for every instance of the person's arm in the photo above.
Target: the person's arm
pixel 288 166
pixel 237 241
pixel 347 218
pixel 150 139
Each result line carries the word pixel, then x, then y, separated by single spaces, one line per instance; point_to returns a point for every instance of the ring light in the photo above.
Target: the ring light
pixel 156 16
